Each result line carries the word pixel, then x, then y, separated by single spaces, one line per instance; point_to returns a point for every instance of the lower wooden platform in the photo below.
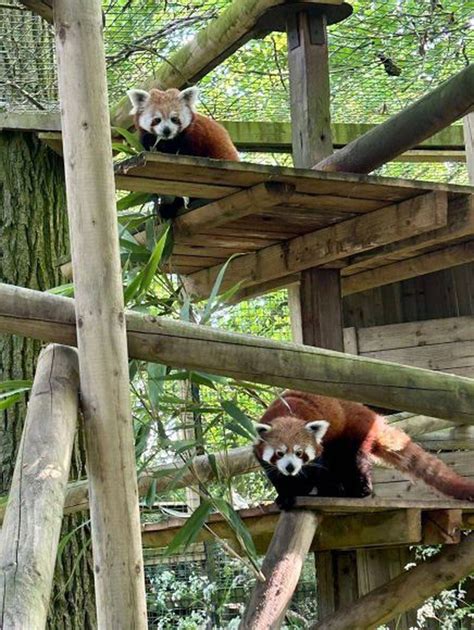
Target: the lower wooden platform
pixel 347 523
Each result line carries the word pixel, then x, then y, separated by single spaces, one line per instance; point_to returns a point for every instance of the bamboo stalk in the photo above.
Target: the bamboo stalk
pixel 90 187
pixel 284 559
pixel 435 111
pixel 407 591
pixel 180 344
pixel 34 513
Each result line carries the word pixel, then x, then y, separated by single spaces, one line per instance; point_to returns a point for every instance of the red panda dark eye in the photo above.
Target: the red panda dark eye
pixel 279 453
pixel 175 120
pixel 155 121
pixel 299 453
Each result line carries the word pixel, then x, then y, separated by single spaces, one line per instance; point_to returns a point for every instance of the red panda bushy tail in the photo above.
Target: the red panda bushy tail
pixel 397 449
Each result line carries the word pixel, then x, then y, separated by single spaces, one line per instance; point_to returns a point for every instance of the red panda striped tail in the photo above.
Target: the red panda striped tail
pixel 415 461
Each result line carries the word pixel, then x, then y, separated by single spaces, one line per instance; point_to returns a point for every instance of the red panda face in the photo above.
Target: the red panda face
pixel 164 114
pixel 290 443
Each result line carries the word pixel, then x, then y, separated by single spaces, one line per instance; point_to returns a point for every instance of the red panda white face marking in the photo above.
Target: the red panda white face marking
pixel 290 452
pixel 164 114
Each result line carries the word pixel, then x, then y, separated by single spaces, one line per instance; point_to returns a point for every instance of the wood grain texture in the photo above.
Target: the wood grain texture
pixel 330 244
pixel 281 567
pixel 103 361
pixel 33 517
pixel 388 385
pixel 408 590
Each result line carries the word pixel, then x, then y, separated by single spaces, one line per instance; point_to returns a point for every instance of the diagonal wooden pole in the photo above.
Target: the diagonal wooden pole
pixel 34 513
pixel 103 362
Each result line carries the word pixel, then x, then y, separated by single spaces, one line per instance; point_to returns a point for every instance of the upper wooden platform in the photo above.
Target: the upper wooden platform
pixel 284 220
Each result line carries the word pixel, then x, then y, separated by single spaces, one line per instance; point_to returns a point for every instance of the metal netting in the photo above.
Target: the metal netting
pixel 207 588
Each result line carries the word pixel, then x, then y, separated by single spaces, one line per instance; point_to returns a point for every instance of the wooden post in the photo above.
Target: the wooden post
pixel 469 142
pixel 116 540
pixel 316 303
pixel 34 513
pixel 408 590
pixel 282 566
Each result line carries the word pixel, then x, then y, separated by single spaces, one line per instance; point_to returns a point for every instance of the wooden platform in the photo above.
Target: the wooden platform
pixel 347 523
pixel 284 220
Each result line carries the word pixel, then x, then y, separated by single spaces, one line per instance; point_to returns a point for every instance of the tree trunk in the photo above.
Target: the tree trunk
pixel 33 236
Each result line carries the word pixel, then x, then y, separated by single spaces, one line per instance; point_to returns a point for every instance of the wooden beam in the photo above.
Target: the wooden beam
pixel 459 226
pixel 409 590
pixel 32 524
pixel 469 142
pixel 180 344
pixel 90 187
pixel 438 109
pixel 362 233
pixel 233 207
pixel 211 46
pixel 281 567
pixel 44 8
pixel 409 268
pixel 337 530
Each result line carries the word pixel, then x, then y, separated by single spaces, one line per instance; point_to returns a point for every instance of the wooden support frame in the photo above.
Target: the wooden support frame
pixel 179 344
pixel 233 207
pixel 101 335
pixel 32 523
pixel 408 590
pixel 447 103
pixel 44 8
pixel 331 244
pixel 281 567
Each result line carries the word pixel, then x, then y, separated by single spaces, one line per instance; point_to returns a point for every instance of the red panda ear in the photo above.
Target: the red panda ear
pixel 190 96
pixel 318 429
pixel 138 99
pixel 261 428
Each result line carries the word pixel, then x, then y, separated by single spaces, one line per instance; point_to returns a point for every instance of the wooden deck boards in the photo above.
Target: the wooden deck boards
pixel 319 200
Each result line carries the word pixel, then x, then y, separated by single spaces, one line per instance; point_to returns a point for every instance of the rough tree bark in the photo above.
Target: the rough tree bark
pixel 33 235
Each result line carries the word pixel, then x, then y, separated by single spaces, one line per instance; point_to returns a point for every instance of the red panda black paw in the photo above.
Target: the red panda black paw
pixel 285 503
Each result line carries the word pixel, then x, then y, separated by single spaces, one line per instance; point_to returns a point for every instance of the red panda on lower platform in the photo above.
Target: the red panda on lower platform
pixel 309 444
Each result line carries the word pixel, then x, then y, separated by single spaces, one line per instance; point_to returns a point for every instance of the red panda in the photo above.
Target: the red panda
pixel 309 444
pixel 168 122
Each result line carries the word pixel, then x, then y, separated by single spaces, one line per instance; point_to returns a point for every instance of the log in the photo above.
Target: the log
pixel 408 590
pixel 469 142
pixel 32 525
pixel 447 103
pixel 103 361
pixel 282 567
pixel 180 344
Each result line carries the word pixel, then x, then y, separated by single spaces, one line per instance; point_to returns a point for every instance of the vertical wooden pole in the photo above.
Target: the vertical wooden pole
pixel 316 304
pixel 32 524
pixel 469 142
pixel 116 540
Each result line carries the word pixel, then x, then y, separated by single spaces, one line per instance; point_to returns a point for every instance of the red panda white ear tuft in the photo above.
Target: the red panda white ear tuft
pixel 138 99
pixel 318 429
pixel 190 96
pixel 261 428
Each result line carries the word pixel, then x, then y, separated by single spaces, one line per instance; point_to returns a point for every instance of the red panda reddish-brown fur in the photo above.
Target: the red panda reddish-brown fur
pixel 368 431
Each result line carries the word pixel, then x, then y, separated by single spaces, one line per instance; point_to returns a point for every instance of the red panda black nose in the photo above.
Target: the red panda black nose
pixel 290 468
pixel 166 131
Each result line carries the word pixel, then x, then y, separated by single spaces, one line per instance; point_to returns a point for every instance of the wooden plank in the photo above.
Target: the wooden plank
pixel 233 207
pixel 330 244
pixel 460 225
pixel 172 168
pixel 346 505
pixel 407 591
pixel 442 527
pixel 32 524
pixel 177 188
pixel 409 268
pixel 442 356
pixel 99 313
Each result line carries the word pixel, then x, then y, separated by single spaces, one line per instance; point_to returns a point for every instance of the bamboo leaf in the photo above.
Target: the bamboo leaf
pixel 142 280
pixel 8 402
pixel 215 290
pixel 131 138
pixel 11 385
pixel 133 199
pixel 240 418
pixel 188 533
pixel 242 533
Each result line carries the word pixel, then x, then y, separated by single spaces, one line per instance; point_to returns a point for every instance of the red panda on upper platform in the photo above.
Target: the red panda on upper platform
pixel 309 444
pixel 168 122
